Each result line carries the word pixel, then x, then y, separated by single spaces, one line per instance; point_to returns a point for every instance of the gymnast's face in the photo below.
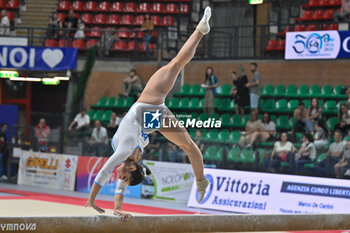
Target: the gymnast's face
pixel 124 171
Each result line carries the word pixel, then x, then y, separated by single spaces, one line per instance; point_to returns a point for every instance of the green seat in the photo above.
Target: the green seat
pixel 331 122
pixel 225 90
pixel 106 116
pixel 184 103
pixel 128 102
pixel 224 105
pixel 262 153
pixel 292 105
pixel 234 137
pixel 269 105
pixel 214 116
pixel 327 91
pixel 110 102
pixel 202 91
pixel 192 133
pixel 98 115
pixel 291 91
pixel 236 121
pixel 223 136
pixel 201 104
pixel 248 155
pixel 281 106
pixel 216 102
pixel 193 104
pixel 337 92
pixel 303 91
pixel 330 107
pixel 280 91
pixel 245 119
pixel 226 120
pixel 185 90
pixel 232 106
pixel 268 90
pixel 282 123
pixel 315 91
pixel 211 154
pixel 195 90
pixel 211 136
pixel 194 115
pixel 91 113
pixel 234 155
pixel 101 102
pixel 347 138
pixel 320 158
pixel 174 103
pixel 119 103
pixel 340 103
pixel 203 116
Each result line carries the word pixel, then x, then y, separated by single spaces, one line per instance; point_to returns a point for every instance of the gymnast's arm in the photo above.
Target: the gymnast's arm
pixel 118 200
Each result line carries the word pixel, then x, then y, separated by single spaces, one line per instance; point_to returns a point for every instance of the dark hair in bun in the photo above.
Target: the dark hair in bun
pixel 139 174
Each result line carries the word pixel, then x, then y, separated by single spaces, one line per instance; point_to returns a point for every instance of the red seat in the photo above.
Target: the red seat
pixel 90 6
pixel 171 8
pixel 325 27
pixel 167 21
pixel 131 46
pixel 126 20
pixel 94 32
pixel 318 14
pixel 103 6
pixel 2 4
pixel 272 45
pixel 87 18
pixel 78 6
pixel 11 15
pixel 156 20
pixel 63 43
pixel 313 3
pixel 113 19
pixel 123 33
pixel 307 15
pixel 79 44
pixel 142 47
pixel 333 26
pixel 100 19
pixel 130 7
pixel 157 8
pixel 311 27
pixel 144 7
pixel 91 43
pixel 63 6
pixel 61 16
pixel 299 28
pixel 335 2
pixel 119 46
pixel 281 45
pixel 13 4
pixel 117 7
pixel 139 20
pixel 184 9
pixel 136 32
pixel 50 43
pixel 155 33
pixel 328 15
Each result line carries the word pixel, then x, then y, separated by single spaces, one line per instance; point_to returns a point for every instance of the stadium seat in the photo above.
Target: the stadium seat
pixel 2 4
pixel 303 91
pixel 156 20
pixel 281 45
pixel 222 136
pixel 195 90
pixel 126 20
pixel 184 9
pixel 184 91
pixel 333 26
pixel 91 43
pixel 136 32
pixel 129 7
pixel 292 105
pixel 272 45
pixel 224 105
pixel 61 17
pixel 225 120
pixel 211 136
pixel 225 90
pixel 291 91
pixel 106 116
pixel 101 102
pixel 211 154
pixel 167 21
pixel 328 15
pixel 318 15
pixel 94 32
pixel 311 27
pixel 113 19
pixel 171 8
pixel 282 123
pixel 98 115
pixel 299 28
pixel 269 105
pixel 157 8
pixel 11 15
pixel 117 7
pixel 79 44
pixel 87 18
pixel 143 7
pixel 128 102
pixel 103 6
pixel 307 15
pixel 280 91
pixel 91 113
pixel 335 2
pixel 64 43
pixel 313 3
pixel 268 90
pixel 234 137
pixel 78 6
pixel 281 106
pixel 234 155
pixel 90 6
pixel 247 155
pixel 315 91
pixel 63 6
pixel 236 121
pixel 50 43
pixel 99 19
pixel 337 92
pixel 123 33
pixel 327 91
pixel 119 46
pixel 329 107
pixel 193 104
pixel 307 103
pixel 110 102
pixel 331 122
pixel 12 4
pixel 139 19
pixel 319 159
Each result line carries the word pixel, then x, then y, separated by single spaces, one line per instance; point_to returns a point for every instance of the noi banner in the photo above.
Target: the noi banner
pixel 264 193
pixel 317 45
pixel 169 181
pixel 88 168
pixel 56 171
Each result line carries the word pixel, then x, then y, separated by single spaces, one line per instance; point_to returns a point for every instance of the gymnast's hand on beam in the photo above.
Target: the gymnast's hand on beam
pixel 125 216
pixel 93 205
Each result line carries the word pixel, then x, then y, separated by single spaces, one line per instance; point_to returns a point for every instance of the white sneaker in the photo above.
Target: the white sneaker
pixel 347 173
pixel 201 186
pixel 3 177
pixel 203 25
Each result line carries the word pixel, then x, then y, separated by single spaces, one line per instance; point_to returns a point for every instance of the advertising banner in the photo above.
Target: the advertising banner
pixel 88 168
pixel 47 170
pixel 38 58
pixel 264 193
pixel 169 181
pixel 317 45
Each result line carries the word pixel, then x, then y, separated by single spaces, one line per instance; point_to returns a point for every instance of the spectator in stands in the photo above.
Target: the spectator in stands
pixel 131 83
pixel 282 151
pixel 344 14
pixel 242 95
pixel 80 34
pixel 348 100
pixel 4 151
pixel 266 132
pixel 314 113
pixel 335 152
pixel 42 132
pixel 300 115
pixel 254 87
pixel 108 38
pixel 321 135
pixel 253 125
pixel 147 27
pixel 306 153
pixel 54 27
pixel 176 155
pixel 211 83
pixel 113 124
pixel 343 119
pixel 82 120
pixel 344 163
pixel 199 140
pixel 70 23
pixel 4 24
pixel 99 139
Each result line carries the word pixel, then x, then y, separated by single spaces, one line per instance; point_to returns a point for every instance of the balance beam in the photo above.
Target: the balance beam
pixel 176 223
